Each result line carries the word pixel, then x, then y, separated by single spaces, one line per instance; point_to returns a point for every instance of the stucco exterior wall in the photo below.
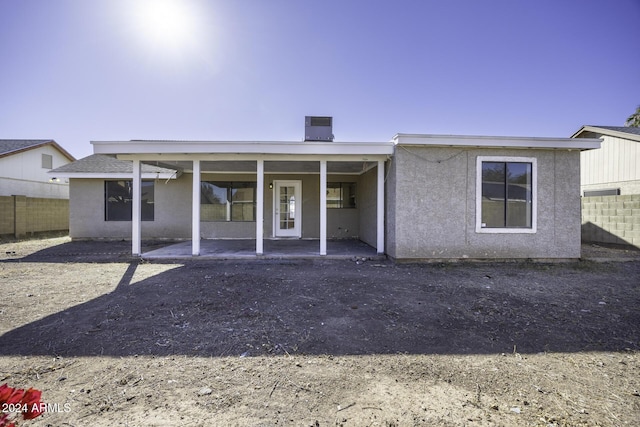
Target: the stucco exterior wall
pixel 86 211
pixel 341 223
pixel 172 211
pixel 225 229
pixel 435 206
pixel 390 203
pixel 367 202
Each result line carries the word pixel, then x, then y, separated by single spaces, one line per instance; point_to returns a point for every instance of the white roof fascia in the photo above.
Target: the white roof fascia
pixel 497 142
pixel 250 157
pixel 242 147
pixel 608 132
pixel 118 175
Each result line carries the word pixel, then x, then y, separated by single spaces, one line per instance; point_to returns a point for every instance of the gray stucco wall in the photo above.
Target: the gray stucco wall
pixel 434 211
pixel 86 211
pixel 173 211
pixel 341 223
pixel 390 203
pixel 367 203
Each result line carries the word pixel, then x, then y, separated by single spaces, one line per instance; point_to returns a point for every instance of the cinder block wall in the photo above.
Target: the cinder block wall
pixel 611 219
pixel 7 218
pixel 47 215
pixel 20 215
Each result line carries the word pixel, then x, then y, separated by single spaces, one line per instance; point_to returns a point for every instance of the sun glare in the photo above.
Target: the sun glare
pixel 166 25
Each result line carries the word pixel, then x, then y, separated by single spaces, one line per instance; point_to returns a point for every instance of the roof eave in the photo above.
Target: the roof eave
pixel 534 143
pixel 242 147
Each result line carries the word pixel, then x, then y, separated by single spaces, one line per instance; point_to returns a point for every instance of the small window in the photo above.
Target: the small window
pixel 506 195
pixel 227 201
pixel 608 192
pixel 341 195
pixel 47 161
pixel 118 200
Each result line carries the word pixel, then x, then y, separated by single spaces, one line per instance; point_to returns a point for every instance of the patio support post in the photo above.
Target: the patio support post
pixel 323 207
pixel 195 210
pixel 380 208
pixel 260 208
pixel 136 210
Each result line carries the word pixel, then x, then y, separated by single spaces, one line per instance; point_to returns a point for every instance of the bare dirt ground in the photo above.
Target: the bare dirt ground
pixel 113 341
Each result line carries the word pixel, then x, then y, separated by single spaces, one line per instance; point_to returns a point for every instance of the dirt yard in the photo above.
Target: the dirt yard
pixel 113 341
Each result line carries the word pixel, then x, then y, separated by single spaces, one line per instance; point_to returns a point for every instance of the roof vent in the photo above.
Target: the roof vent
pixel 318 128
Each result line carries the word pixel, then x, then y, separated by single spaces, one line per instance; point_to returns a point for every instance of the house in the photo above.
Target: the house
pixel 610 184
pixel 614 168
pixel 24 164
pixel 31 200
pixel 414 197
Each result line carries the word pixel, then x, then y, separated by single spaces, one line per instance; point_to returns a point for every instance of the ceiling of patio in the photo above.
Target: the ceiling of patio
pixel 270 167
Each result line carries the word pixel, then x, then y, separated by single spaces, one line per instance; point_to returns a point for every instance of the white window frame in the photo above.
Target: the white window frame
pixel 534 195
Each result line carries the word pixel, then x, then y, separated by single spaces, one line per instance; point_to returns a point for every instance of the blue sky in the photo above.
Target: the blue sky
pixel 76 70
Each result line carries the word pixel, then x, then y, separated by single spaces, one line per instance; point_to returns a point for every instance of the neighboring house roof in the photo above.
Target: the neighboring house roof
pixel 626 132
pixel 100 165
pixel 9 147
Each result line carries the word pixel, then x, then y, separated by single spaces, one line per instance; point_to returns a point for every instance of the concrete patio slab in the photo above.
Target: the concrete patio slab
pixel 273 249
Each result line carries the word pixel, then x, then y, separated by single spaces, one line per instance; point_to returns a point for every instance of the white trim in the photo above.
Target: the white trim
pixel 119 175
pixel 244 147
pixel 297 230
pixel 380 209
pixel 267 157
pixel 195 209
pixel 323 207
pixel 534 195
pixel 497 141
pixel 136 210
pixel 260 207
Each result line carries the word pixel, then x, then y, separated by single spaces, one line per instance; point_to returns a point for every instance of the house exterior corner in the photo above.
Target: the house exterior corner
pixel 434 214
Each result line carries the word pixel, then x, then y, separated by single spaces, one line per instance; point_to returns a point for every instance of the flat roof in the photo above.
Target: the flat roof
pixel 496 141
pixel 242 147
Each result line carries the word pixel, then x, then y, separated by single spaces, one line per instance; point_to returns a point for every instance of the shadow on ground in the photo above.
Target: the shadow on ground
pixel 257 307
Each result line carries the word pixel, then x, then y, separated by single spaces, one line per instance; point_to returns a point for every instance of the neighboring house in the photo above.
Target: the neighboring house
pixel 614 168
pixel 24 164
pixel 31 200
pixel 414 197
pixel 610 184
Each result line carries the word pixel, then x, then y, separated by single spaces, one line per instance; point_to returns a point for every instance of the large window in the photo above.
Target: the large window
pixel 227 201
pixel 118 200
pixel 341 195
pixel 506 195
